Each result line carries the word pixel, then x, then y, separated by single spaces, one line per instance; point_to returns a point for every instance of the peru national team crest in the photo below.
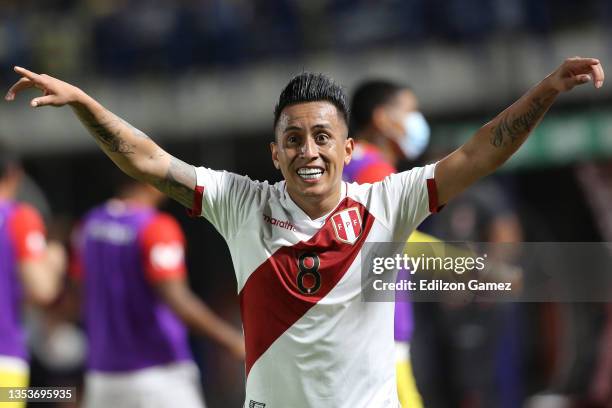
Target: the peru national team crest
pixel 347 225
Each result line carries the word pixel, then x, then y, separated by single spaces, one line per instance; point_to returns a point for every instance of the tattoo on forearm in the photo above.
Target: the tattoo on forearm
pixel 109 132
pixel 513 127
pixel 113 133
pixel 179 177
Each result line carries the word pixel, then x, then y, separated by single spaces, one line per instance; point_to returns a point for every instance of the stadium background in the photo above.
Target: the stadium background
pixel 202 76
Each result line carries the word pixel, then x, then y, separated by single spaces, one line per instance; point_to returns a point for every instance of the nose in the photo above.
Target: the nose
pixel 309 149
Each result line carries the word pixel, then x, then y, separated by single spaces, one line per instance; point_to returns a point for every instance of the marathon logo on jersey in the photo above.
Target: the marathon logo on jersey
pixel 255 404
pixel 278 223
pixel 347 225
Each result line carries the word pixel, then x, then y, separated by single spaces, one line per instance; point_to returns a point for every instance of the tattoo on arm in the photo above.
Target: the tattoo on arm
pixel 513 127
pixel 179 182
pixel 117 136
pixel 109 132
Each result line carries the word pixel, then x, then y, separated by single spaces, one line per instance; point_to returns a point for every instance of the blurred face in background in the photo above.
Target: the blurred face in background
pixel 10 179
pixel 402 123
pixel 311 149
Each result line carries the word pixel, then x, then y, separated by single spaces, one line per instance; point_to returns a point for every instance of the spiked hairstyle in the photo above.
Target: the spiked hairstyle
pixel 312 87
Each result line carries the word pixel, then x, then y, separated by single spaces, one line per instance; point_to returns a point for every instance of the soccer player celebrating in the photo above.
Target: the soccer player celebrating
pixel 30 270
pixel 295 245
pixel 130 258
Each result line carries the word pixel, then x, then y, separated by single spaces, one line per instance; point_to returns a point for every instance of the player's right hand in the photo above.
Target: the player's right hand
pixel 55 92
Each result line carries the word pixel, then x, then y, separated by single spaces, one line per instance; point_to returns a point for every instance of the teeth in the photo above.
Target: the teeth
pixel 311 176
pixel 306 170
pixel 310 173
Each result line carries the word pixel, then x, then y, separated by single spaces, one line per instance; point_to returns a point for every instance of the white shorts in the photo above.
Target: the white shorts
pixel 172 385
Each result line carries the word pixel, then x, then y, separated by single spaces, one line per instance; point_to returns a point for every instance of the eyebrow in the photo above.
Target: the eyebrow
pixel 292 128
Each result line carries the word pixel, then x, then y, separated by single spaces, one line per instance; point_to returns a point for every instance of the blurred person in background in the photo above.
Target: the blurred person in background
pixel 388 127
pixel 310 338
pixel 31 270
pixel 129 258
pixel 596 182
pixel 468 355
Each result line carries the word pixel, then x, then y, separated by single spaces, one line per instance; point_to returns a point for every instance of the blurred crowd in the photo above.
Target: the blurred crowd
pixel 126 37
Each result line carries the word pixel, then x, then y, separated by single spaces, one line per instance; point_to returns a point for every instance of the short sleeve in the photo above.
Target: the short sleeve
pixel 225 199
pixel 28 233
pixel 163 249
pixel 411 196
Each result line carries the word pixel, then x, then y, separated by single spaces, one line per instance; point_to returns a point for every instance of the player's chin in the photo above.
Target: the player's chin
pixel 313 187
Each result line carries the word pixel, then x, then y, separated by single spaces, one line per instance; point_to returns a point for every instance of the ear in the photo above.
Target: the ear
pixel 349 146
pixel 274 151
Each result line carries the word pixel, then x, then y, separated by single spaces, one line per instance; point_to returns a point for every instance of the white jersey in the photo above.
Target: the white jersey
pixel 311 341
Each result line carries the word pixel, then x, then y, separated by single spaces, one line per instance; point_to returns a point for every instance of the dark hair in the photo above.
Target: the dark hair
pixel 311 87
pixel 8 158
pixel 368 96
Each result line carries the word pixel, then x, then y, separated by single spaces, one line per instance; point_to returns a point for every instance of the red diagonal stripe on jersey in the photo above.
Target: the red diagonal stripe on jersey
pixel 270 300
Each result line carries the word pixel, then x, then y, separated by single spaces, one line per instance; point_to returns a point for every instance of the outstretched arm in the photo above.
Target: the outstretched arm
pixel 496 141
pixel 131 150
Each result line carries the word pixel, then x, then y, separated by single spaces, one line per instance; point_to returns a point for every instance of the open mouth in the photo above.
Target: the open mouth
pixel 310 173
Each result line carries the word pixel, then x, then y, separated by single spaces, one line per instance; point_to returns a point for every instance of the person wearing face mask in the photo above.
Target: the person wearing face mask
pixel 388 127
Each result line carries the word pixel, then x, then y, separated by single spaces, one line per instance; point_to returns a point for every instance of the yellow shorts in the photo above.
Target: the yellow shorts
pixel 14 372
pixel 406 386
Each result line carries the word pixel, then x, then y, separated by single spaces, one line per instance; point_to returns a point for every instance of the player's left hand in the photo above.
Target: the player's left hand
pixel 577 71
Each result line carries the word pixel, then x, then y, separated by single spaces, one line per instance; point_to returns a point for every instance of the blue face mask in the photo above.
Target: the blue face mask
pixel 416 135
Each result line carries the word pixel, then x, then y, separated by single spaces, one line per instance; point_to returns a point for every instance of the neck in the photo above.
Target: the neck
pixel 383 144
pixel 314 206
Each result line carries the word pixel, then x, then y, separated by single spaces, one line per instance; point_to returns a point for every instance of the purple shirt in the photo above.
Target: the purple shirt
pixel 128 325
pixel 12 336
